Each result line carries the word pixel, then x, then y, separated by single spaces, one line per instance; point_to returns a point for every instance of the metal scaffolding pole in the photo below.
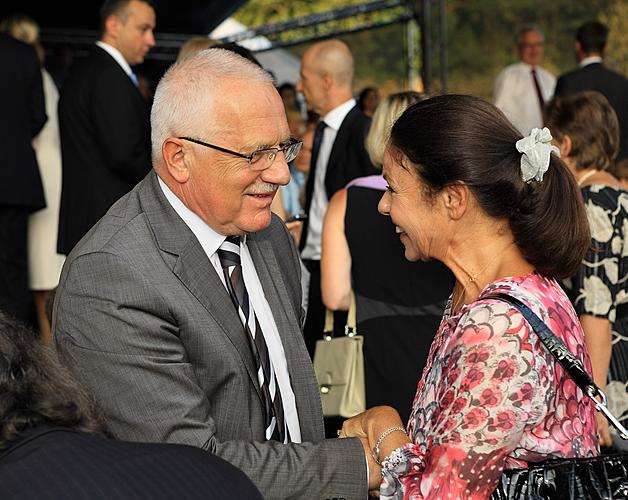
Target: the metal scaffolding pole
pixel 443 45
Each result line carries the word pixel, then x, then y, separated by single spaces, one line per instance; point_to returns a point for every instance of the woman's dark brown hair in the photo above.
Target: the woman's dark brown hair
pixel 591 124
pixel 35 389
pixel 457 138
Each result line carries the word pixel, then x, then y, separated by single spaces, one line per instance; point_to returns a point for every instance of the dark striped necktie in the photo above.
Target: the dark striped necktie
pixel 229 255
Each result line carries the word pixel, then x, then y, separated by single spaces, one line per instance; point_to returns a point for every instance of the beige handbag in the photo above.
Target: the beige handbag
pixel 339 367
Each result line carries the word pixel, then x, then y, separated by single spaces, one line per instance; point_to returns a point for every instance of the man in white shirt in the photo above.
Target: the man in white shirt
pixel 181 309
pixel 338 155
pixel 522 89
pixel 104 121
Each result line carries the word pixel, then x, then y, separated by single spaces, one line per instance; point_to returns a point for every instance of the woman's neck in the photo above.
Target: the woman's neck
pixel 483 261
pixel 588 176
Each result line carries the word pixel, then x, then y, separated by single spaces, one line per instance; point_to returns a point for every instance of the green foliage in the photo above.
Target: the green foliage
pixel 480 37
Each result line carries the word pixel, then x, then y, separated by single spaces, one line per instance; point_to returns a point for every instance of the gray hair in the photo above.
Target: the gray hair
pixel 186 93
pixel 526 28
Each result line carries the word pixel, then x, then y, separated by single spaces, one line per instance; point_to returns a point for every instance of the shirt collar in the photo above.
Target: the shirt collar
pixel 590 60
pixel 209 239
pixel 334 118
pixel 117 55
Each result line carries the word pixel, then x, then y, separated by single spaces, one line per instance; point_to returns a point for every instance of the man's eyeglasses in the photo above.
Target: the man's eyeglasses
pixel 262 158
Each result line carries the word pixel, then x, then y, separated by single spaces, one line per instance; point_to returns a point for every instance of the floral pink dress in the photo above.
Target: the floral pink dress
pixel 492 397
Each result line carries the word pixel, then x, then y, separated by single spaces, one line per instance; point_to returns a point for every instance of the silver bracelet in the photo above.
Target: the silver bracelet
pixel 384 435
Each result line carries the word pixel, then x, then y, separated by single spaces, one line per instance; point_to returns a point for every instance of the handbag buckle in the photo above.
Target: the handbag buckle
pixel 594 392
pixel 325 388
pixel 328 336
pixel 350 331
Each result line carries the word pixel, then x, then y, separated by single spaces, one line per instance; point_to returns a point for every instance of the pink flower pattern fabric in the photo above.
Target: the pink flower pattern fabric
pixel 492 398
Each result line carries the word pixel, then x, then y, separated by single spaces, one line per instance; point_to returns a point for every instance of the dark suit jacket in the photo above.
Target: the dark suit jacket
pixel 22 116
pixel 348 160
pixel 614 87
pixel 105 143
pixel 143 319
pixel 57 463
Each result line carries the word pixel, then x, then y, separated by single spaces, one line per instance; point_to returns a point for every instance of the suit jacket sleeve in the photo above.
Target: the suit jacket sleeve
pixel 145 382
pixel 123 133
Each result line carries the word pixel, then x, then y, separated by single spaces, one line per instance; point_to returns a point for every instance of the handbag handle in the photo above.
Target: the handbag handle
pixel 350 327
pixel 565 358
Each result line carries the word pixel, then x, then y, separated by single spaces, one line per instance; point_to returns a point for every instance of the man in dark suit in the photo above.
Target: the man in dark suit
pixel 52 444
pixel 104 121
pixel 181 309
pixel 338 156
pixel 22 116
pixel 593 75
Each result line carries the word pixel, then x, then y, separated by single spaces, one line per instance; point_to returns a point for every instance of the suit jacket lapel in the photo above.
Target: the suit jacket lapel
pixel 191 265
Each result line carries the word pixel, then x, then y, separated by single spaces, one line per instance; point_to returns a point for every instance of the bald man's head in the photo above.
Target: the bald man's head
pixel 326 75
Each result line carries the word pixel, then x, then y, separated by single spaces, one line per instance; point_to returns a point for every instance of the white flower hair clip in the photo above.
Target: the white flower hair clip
pixel 535 157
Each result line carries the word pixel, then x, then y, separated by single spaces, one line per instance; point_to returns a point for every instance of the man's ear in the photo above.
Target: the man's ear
pixel 112 26
pixel 176 158
pixel 455 198
pixel 328 81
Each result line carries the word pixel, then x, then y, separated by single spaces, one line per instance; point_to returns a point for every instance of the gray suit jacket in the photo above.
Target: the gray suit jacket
pixel 142 318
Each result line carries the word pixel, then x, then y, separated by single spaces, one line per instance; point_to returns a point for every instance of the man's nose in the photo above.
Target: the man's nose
pixel 278 172
pixel 150 38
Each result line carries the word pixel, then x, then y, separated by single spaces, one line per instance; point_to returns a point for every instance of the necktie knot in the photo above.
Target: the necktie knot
pixel 229 252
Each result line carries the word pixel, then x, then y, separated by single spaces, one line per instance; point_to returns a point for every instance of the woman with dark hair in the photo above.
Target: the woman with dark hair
pixel 505 215
pixel 52 444
pixel 586 130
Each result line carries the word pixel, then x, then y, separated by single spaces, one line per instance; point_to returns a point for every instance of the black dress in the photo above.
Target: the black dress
pixel 399 304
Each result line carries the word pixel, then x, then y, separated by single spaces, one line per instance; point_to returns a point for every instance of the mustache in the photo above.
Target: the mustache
pixel 262 188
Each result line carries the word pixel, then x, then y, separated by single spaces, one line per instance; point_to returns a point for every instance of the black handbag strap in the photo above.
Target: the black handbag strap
pixel 565 358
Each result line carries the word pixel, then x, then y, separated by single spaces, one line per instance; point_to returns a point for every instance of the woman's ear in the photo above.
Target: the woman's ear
pixel 456 199
pixel 176 158
pixel 565 146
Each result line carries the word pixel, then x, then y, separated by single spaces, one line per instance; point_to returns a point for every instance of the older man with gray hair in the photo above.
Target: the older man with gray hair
pixel 522 89
pixel 181 309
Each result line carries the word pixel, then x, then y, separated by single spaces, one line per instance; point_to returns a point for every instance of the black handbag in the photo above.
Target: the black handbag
pixel 604 477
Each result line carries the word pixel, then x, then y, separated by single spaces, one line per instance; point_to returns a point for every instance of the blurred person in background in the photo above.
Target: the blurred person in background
pixel 368 101
pixel 399 304
pixel 505 215
pixel 586 129
pixel 522 89
pixel 338 156
pixel 592 74
pixel 21 193
pixel 104 120
pixel 193 45
pixel 44 263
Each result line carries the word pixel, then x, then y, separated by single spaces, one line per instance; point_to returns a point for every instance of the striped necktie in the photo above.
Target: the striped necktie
pixel 229 255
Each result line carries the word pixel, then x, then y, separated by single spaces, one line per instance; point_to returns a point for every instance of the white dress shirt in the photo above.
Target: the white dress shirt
pixel 119 58
pixel 590 60
pixel 318 208
pixel 210 241
pixel 514 93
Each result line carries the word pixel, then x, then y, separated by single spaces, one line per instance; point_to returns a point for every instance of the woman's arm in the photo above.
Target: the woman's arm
pixel 335 256
pixel 598 338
